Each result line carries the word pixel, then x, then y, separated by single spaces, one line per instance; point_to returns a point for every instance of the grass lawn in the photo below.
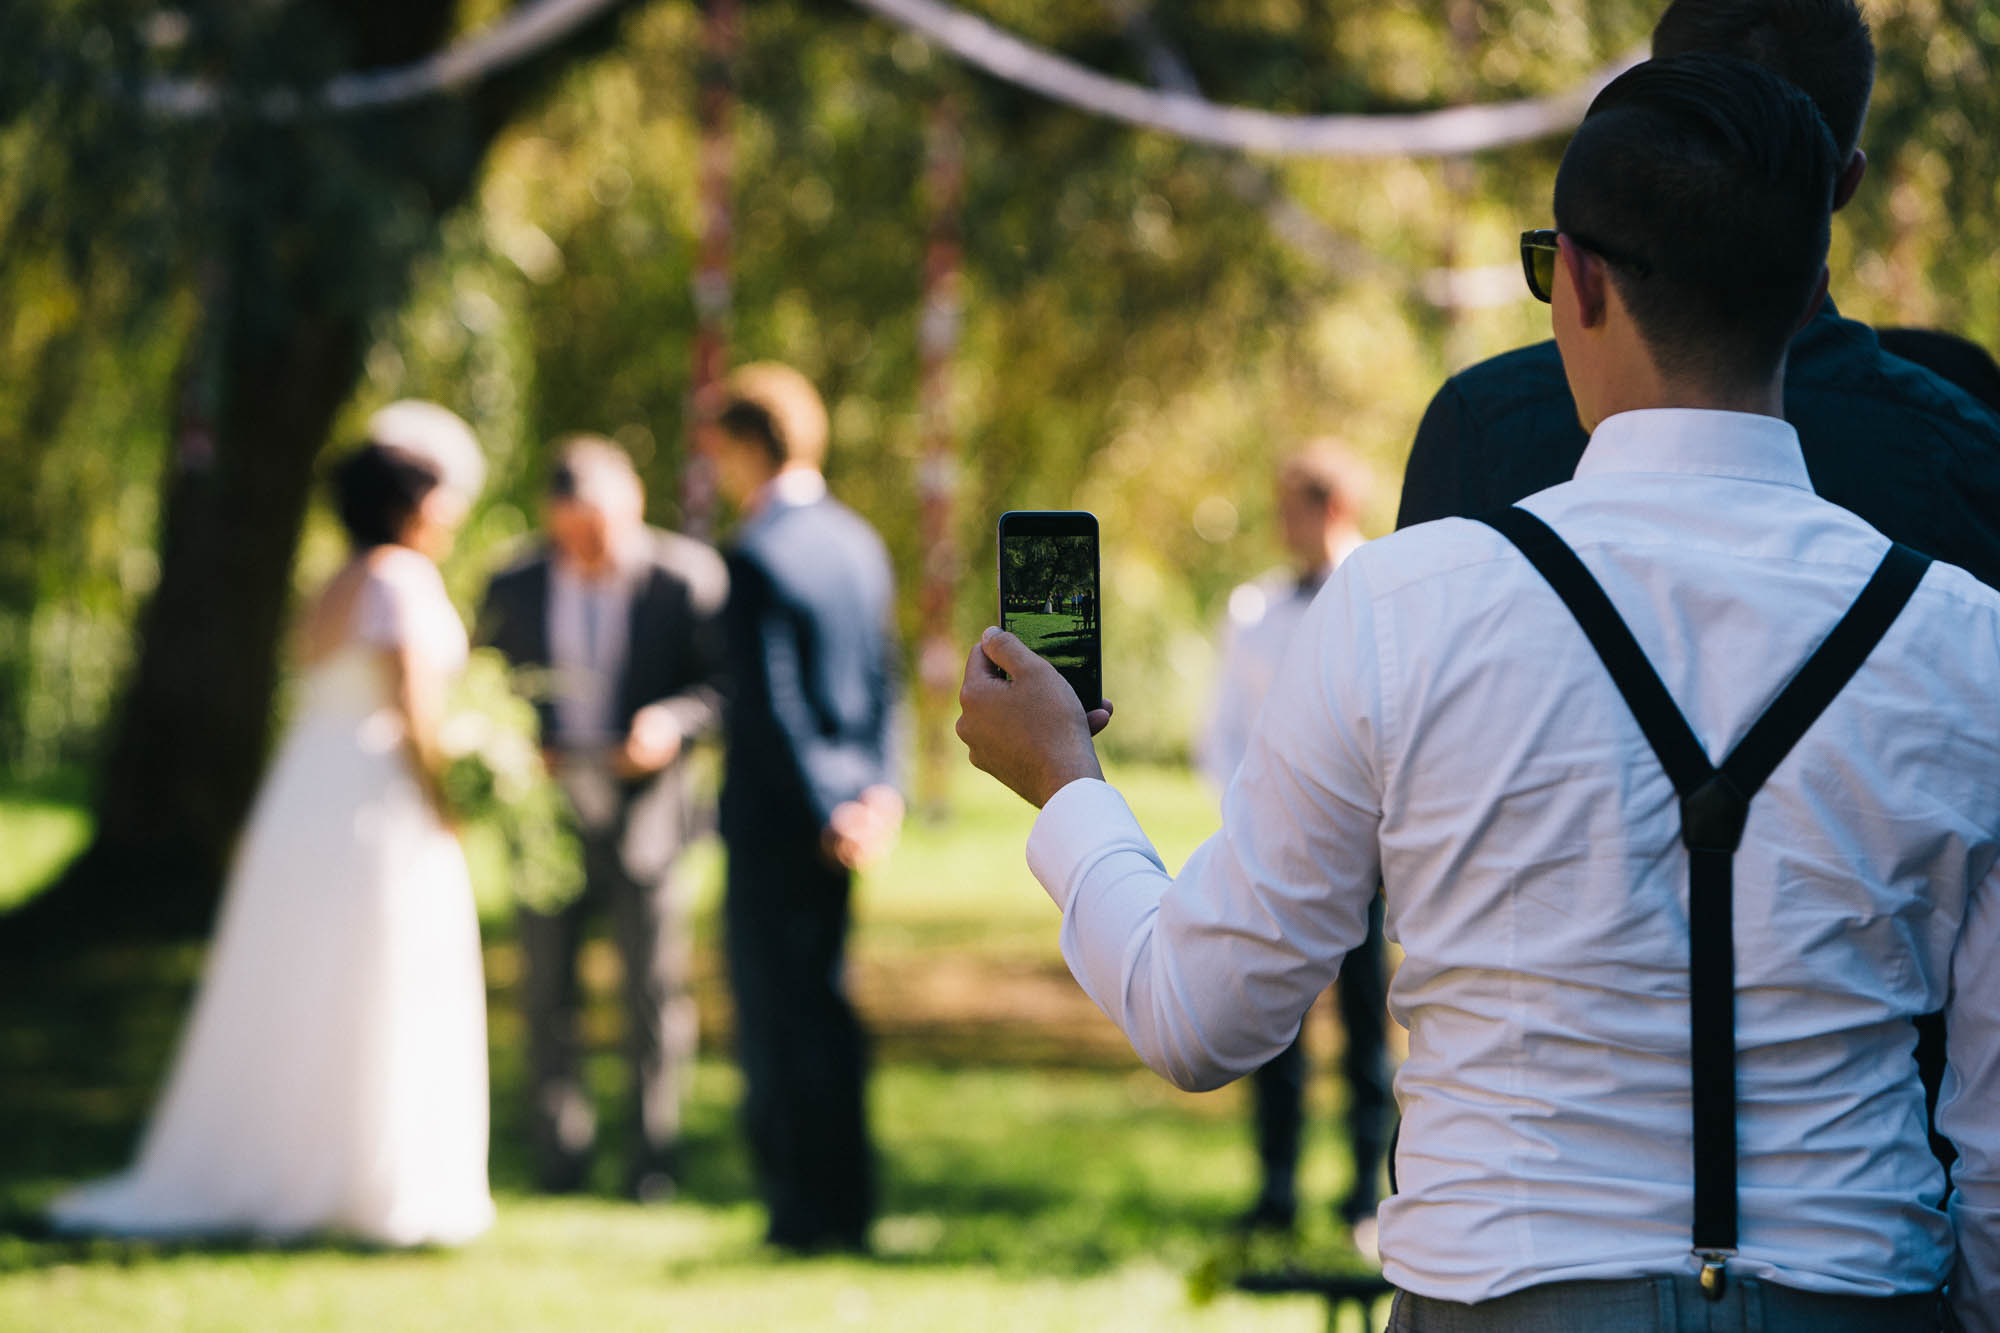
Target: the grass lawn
pixel 41 829
pixel 1062 638
pixel 1034 1175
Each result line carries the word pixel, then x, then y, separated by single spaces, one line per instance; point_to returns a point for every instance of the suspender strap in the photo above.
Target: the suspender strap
pixel 1715 803
pixel 1679 752
pixel 1806 696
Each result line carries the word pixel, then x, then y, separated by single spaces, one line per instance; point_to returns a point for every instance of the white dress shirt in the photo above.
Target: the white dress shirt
pixel 589 623
pixel 589 626
pixel 1263 616
pixel 1441 723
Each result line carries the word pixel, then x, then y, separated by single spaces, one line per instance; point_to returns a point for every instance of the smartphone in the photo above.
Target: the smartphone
pixel 1049 595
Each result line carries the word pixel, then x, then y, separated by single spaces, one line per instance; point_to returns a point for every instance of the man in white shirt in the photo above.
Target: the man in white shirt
pixel 1444 726
pixel 1320 491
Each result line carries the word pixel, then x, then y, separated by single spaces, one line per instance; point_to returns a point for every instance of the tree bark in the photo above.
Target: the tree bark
pixel 290 317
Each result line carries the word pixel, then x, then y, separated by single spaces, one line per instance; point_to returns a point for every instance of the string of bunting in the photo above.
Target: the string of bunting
pixel 526 30
pixel 534 26
pixel 1444 133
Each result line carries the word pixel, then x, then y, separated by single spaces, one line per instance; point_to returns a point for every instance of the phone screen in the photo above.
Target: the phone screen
pixel 1049 594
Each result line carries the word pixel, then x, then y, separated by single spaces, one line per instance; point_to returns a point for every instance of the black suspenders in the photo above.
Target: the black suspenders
pixel 1714 804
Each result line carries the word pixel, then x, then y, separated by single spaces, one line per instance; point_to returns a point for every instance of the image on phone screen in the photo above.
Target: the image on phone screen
pixel 1049 594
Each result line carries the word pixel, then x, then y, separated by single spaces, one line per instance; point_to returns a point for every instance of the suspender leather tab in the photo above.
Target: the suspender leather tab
pixel 1714 806
pixel 1713 815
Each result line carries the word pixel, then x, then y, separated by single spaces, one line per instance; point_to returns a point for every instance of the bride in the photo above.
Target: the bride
pixel 332 1075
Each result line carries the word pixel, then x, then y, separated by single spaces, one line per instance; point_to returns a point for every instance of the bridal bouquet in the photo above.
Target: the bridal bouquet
pixel 497 784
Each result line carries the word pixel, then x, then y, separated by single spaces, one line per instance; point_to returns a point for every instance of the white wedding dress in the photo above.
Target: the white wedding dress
pixel 332 1075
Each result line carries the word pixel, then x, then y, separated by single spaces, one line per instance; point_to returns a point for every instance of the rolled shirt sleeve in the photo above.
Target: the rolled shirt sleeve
pixel 1210 972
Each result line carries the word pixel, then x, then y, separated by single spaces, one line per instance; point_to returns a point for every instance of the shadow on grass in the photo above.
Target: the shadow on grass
pixel 1041 1167
pixel 27 1242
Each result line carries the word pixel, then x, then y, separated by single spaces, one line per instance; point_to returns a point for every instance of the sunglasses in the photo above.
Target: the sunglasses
pixel 1538 259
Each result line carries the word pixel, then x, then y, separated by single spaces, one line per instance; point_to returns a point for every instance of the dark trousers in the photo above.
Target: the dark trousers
pixel 649 928
pixel 1362 996
pixel 801 1046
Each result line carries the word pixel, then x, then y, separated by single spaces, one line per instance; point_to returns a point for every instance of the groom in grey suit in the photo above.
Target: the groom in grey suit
pixel 621 620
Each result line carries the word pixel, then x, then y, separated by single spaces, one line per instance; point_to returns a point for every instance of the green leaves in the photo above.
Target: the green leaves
pixel 496 783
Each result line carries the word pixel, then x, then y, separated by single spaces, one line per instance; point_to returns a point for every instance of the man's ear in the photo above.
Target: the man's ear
pixel 1849 180
pixel 1587 276
pixel 1818 299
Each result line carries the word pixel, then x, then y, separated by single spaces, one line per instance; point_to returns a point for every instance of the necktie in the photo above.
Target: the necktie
pixel 591 612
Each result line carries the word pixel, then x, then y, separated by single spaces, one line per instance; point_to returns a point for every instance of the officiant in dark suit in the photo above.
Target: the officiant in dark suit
pixel 809 797
pixel 620 623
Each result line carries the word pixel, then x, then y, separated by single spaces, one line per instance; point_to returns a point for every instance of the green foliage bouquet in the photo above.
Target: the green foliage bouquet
pixel 496 783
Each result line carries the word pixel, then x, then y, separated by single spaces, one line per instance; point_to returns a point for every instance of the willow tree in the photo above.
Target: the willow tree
pixel 199 144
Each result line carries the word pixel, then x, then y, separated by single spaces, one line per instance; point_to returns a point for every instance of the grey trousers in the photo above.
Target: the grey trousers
pixel 649 927
pixel 1666 1305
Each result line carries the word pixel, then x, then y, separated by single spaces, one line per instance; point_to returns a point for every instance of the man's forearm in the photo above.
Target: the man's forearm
pixel 1181 1009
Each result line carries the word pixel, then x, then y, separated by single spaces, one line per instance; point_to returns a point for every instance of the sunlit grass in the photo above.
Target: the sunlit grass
pixel 1034 1176
pixel 39 835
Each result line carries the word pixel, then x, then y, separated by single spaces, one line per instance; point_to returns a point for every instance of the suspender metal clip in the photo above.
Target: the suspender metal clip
pixel 1714 1276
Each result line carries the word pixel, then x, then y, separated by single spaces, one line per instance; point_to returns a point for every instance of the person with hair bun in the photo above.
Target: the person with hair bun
pixel 331 1079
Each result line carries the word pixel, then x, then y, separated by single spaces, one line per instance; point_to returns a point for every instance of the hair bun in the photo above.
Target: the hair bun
pixel 437 435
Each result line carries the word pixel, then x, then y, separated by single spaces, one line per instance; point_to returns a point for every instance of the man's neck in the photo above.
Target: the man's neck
pixel 610 565
pixel 1342 542
pixel 788 484
pixel 1648 392
pixel 1764 400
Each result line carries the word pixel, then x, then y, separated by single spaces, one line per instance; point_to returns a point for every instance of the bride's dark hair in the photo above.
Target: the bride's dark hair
pixel 376 491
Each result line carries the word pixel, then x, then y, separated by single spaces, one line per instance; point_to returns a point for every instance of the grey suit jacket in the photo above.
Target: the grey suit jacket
pixel 673 658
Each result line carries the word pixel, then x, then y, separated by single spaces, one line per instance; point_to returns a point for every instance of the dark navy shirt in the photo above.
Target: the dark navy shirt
pixel 1883 437
pixel 810 721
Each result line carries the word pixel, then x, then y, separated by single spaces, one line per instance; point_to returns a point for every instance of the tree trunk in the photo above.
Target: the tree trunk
pixel 291 313
pixel 190 743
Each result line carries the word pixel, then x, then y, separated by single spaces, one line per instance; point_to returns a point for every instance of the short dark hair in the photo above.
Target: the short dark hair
pixel 752 423
pixel 377 490
pixel 1325 471
pixel 1823 46
pixel 587 465
pixel 1717 176
pixel 775 408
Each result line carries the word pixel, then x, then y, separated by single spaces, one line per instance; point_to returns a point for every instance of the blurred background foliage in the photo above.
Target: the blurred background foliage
pixel 1140 337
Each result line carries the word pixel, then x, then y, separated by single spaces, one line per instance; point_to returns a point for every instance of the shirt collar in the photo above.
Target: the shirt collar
pixel 1309 583
pixel 1697 441
pixel 789 489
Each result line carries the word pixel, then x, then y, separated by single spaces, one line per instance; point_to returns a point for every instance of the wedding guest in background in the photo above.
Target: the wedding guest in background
pixel 809 797
pixel 1897 444
pixel 1320 492
pixel 332 1075
pixel 621 623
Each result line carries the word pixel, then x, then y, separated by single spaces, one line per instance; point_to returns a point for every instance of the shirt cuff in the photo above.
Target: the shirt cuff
pixel 1079 825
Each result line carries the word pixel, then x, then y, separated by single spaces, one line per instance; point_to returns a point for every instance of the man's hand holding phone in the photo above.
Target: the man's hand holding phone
pixel 1021 722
